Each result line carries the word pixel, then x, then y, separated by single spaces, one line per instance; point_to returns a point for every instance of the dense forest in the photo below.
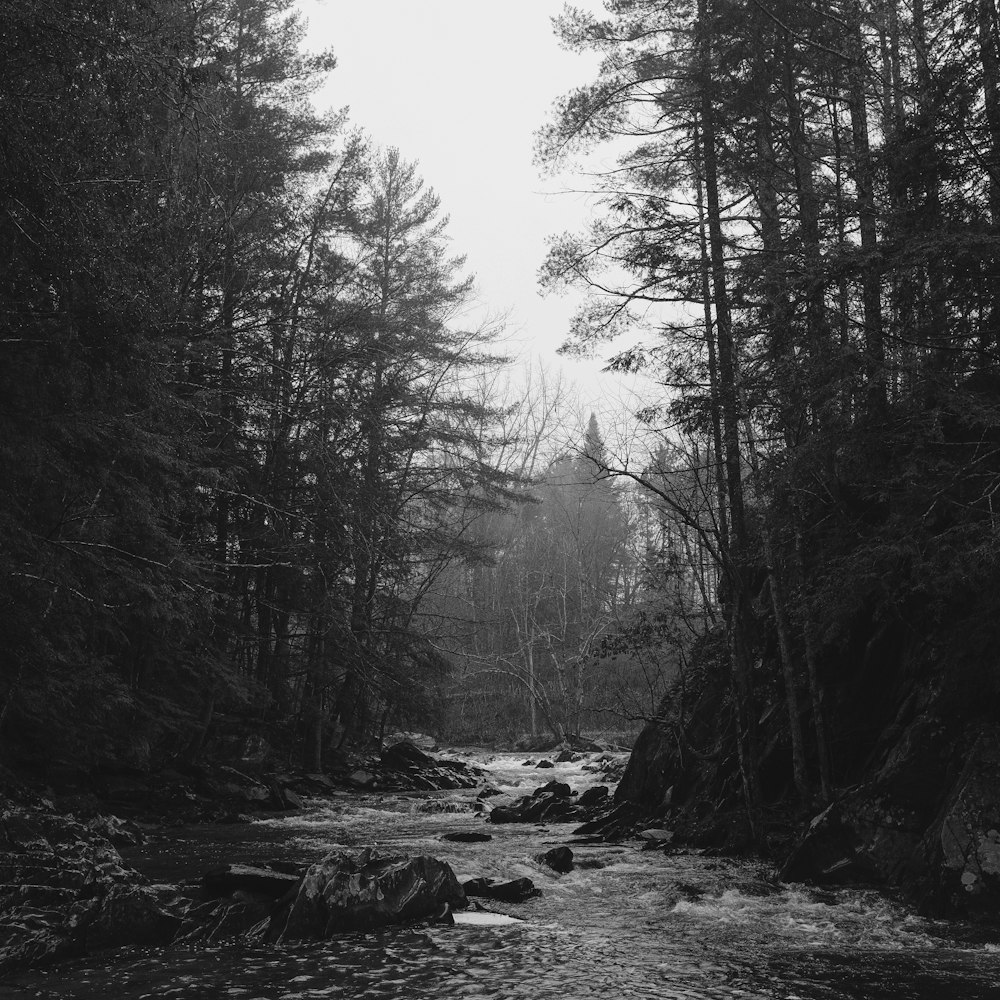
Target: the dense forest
pixel 803 217
pixel 263 479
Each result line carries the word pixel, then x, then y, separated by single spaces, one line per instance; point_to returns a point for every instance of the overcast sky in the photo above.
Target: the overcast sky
pixel 461 86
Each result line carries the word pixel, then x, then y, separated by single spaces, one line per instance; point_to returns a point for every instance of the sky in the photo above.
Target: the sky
pixel 461 86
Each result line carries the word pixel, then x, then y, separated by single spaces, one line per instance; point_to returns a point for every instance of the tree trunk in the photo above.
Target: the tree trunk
pixel 737 600
pixel 864 184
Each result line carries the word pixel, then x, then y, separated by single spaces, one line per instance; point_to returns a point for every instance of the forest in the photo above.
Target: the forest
pixel 803 218
pixel 346 652
pixel 263 479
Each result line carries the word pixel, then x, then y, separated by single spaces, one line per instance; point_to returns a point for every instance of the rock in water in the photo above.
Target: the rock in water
pixel 467 837
pixel 346 892
pixel 594 796
pixel 559 859
pixel 656 837
pixel 405 756
pixel 557 788
pixel 540 807
pixel 517 890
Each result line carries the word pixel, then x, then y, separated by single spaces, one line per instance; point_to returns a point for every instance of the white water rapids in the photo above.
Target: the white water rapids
pixel 624 923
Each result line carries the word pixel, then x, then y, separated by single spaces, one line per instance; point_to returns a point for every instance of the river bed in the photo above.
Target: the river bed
pixel 624 924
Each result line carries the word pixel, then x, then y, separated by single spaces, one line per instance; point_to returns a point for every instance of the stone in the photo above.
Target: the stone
pixel 559 859
pixel 134 915
pixel 248 878
pixel 617 822
pixel 540 806
pixel 964 850
pixel 594 796
pixel 557 788
pixel 405 756
pixel 656 837
pixel 322 781
pixel 362 779
pixel 467 837
pixel 567 757
pixel 513 891
pixel 347 892
pixel 64 890
pixel 545 763
pixel 292 799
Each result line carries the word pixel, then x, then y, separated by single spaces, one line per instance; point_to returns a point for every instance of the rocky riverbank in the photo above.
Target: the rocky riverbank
pixel 918 811
pixel 67 891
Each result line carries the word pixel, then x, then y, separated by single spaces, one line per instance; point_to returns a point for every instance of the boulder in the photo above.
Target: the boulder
pixel 559 859
pixel 545 763
pixel 596 795
pixel 467 837
pixel 404 756
pixel 618 822
pixel 347 892
pixel 64 890
pixel 134 915
pixel 655 837
pixel 405 766
pixel 292 799
pixel 873 833
pixel 362 779
pixel 540 807
pixel 513 891
pixel 567 757
pixel 960 855
pixel 317 783
pixel 420 740
pixel 557 788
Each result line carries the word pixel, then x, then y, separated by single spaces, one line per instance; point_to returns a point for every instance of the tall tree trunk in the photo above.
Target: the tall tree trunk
pixel 989 49
pixel 718 476
pixel 814 281
pixel 864 184
pixel 779 315
pixel 738 603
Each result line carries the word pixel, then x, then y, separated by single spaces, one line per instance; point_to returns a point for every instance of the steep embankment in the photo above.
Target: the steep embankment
pixel 916 803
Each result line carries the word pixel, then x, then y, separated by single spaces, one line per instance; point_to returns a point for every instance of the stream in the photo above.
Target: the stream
pixel 624 924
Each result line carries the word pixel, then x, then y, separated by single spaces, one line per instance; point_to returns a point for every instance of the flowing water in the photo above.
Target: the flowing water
pixel 623 924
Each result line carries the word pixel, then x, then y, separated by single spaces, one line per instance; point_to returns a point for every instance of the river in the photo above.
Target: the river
pixel 624 924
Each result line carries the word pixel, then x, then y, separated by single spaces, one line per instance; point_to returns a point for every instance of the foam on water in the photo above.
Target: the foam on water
pixel 623 923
